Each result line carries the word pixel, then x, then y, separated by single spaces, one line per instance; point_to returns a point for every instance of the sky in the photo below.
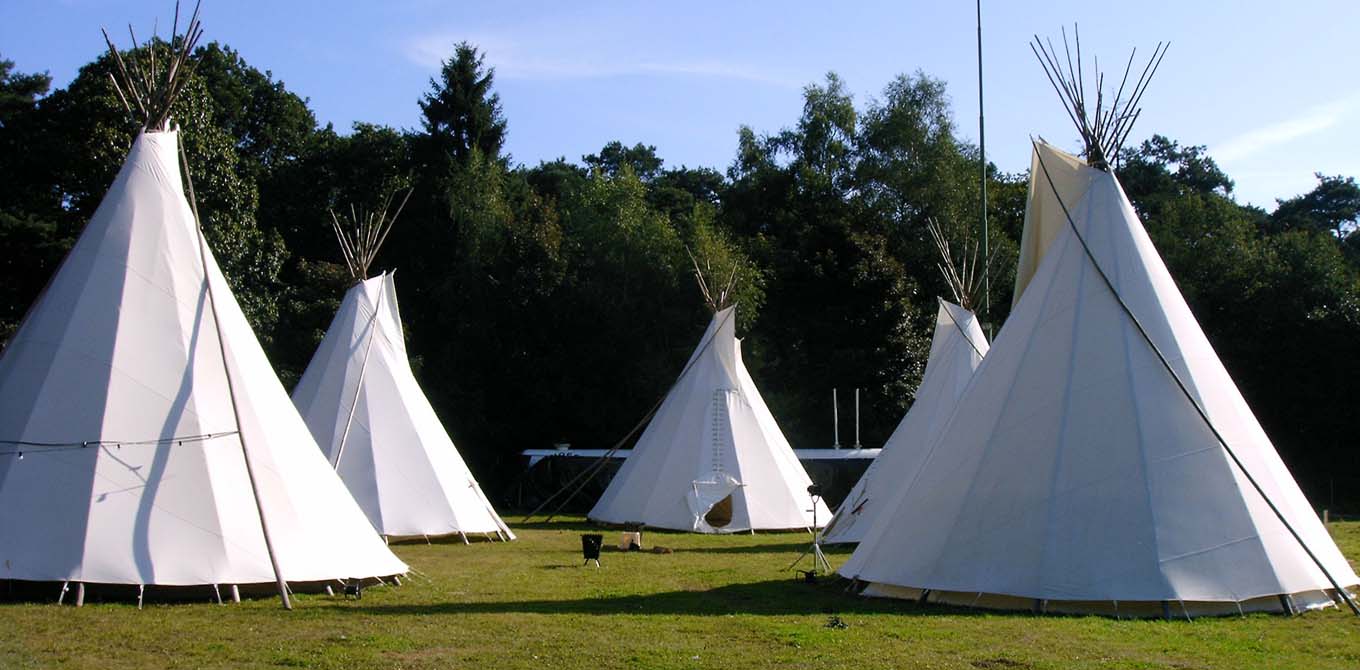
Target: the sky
pixel 1268 87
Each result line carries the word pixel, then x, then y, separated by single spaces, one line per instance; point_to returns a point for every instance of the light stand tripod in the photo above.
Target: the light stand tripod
pixel 819 562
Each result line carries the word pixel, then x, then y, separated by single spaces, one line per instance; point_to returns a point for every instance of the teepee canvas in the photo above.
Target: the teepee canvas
pixel 1077 475
pixel 712 460
pixel 955 351
pixel 375 426
pixel 144 437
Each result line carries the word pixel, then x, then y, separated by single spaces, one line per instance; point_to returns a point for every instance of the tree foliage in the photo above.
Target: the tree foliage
pixel 461 114
pixel 557 302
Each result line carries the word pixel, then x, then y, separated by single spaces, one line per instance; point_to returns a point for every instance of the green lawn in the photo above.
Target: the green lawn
pixel 717 602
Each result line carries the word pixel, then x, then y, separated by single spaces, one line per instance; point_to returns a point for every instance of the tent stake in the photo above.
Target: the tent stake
pixel 218 593
pixel 65 586
pixel 141 591
pixel 231 388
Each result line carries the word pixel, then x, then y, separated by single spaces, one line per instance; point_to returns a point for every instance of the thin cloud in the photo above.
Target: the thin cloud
pixel 430 51
pixel 1315 120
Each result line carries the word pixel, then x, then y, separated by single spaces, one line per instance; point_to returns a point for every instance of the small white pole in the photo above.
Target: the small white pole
pixel 857 444
pixel 835 420
pixel 141 591
pixel 217 592
pixel 235 593
pixel 65 586
pixel 80 595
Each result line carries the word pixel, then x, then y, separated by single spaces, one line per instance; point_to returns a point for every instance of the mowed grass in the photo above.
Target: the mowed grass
pixel 717 602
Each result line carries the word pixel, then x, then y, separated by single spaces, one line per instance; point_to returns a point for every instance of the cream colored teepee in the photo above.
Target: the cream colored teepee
pixel 712 459
pixel 144 438
pixel 373 422
pixel 1101 458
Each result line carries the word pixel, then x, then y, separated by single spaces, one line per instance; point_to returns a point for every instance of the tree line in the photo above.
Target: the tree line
pixel 556 302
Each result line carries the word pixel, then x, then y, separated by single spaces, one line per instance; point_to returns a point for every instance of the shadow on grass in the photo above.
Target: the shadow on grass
pixel 769 598
pixel 746 549
pixel 576 524
pixel 455 538
pixel 558 524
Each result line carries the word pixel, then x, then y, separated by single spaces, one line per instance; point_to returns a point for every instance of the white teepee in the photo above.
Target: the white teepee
pixel 712 460
pixel 121 458
pixel 1075 474
pixel 955 351
pixel 375 425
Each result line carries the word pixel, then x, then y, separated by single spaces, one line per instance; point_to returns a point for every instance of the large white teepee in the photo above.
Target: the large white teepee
pixel 955 351
pixel 120 456
pixel 1075 474
pixel 712 460
pixel 375 425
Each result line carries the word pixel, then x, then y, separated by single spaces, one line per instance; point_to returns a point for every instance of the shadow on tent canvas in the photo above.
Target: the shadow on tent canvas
pixel 141 530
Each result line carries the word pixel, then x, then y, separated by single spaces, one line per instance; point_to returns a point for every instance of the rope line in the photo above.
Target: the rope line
pixel 50 447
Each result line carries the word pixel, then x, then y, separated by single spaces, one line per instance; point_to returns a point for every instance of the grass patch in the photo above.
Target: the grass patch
pixel 718 602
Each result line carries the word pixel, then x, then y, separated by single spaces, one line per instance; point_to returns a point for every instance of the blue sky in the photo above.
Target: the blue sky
pixel 1269 86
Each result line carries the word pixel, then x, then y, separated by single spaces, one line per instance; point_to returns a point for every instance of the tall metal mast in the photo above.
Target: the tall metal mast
pixel 982 170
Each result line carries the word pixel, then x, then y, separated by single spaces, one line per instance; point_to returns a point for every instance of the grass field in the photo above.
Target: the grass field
pixel 717 602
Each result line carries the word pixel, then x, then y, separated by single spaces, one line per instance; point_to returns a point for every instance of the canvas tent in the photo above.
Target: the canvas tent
pixel 375 425
pixel 712 459
pixel 1076 474
pixel 144 438
pixel 121 457
pixel 955 351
